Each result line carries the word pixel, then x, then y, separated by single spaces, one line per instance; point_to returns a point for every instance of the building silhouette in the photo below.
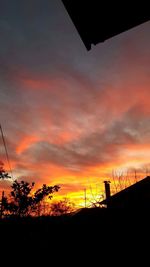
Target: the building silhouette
pixel 134 196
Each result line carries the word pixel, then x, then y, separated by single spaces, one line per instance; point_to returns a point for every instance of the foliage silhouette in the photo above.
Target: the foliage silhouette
pixel 62 207
pixel 3 173
pixel 23 201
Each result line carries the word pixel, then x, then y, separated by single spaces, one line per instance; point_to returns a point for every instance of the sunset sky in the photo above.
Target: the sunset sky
pixel 71 116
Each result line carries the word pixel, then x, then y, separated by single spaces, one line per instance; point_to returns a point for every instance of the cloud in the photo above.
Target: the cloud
pixel 93 149
pixel 66 113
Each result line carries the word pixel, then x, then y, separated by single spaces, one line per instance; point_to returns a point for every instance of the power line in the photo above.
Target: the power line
pixel 6 151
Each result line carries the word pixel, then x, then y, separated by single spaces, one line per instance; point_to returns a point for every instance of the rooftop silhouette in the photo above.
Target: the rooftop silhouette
pixel 134 196
pixel 97 21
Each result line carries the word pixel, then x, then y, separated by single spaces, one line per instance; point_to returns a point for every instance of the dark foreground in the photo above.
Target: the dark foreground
pixel 88 232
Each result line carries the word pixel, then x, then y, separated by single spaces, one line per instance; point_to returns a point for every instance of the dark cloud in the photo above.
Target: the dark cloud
pixel 91 150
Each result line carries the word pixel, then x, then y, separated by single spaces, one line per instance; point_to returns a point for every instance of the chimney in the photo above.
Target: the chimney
pixel 107 189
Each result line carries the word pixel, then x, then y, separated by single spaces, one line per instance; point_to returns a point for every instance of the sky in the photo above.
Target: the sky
pixel 71 116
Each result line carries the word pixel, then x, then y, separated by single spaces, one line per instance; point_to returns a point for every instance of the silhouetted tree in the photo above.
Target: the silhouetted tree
pixel 23 202
pixel 45 191
pixel 40 194
pixel 62 207
pixel 3 173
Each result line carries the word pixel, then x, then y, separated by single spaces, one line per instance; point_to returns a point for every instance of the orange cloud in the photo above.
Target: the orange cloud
pixel 83 130
pixel 26 142
pixel 35 83
pixel 65 137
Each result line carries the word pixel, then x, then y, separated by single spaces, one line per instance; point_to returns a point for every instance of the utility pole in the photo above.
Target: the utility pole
pixel 85 196
pixel 135 176
pixel 7 156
